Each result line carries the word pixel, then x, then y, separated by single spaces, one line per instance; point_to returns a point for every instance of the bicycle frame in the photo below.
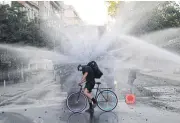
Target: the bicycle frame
pixel 102 95
pixel 79 92
pixel 97 89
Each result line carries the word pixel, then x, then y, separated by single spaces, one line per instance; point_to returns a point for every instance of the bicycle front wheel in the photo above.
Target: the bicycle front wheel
pixel 107 100
pixel 76 102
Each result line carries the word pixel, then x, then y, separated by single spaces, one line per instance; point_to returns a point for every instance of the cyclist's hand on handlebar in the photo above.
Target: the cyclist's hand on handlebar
pixel 79 84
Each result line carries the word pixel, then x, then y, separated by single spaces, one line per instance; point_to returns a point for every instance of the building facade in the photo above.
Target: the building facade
pixel 32 8
pixel 5 2
pixel 48 9
pixel 69 16
pixel 40 10
pixel 45 10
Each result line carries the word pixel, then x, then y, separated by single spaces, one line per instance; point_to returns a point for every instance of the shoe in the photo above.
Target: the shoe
pixel 94 104
pixel 90 110
pixel 94 101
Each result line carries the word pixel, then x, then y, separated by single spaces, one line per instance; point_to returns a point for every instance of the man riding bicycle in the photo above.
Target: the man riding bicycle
pixel 77 101
pixel 89 78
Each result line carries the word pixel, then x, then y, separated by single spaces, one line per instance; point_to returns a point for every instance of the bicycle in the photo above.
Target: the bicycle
pixel 77 101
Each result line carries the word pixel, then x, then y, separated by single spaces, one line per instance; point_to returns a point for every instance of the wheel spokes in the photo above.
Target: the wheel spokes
pixel 76 102
pixel 107 100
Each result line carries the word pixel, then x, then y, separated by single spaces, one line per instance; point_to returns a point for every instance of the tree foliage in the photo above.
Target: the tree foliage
pixel 112 7
pixel 16 28
pixel 165 16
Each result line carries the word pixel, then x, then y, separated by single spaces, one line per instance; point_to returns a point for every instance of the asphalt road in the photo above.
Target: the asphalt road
pixel 44 103
pixel 58 113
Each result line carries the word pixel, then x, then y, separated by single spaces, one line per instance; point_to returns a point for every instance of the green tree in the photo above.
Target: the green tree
pixel 112 7
pixel 165 16
pixel 16 28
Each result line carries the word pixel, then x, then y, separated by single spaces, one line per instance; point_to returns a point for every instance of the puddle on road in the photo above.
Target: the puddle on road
pixel 86 117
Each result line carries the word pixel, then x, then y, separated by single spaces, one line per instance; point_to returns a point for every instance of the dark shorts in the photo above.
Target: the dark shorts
pixel 89 86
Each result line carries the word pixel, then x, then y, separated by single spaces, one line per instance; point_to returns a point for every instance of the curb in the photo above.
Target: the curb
pixel 3 103
pixel 161 80
pixel 142 91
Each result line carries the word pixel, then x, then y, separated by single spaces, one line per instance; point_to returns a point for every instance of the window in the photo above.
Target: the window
pixel 35 14
pixel 45 11
pixel 32 14
pixel 36 2
pixel 23 9
pixel 48 12
pixel 28 13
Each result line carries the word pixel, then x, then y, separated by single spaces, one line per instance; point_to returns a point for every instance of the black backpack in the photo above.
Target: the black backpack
pixel 96 70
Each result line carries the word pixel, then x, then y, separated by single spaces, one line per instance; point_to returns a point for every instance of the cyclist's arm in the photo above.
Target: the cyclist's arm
pixel 84 77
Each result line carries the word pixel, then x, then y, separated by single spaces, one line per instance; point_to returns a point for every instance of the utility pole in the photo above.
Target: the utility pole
pixel 53 45
pixel 22 71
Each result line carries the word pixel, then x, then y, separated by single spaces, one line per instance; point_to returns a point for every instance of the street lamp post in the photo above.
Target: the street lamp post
pixel 54 45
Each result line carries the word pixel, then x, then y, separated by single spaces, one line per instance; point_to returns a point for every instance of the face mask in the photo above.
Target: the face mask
pixel 80 68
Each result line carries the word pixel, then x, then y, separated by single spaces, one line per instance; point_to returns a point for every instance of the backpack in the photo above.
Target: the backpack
pixel 96 70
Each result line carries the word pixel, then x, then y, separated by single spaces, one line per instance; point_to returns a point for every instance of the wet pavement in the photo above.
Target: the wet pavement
pixel 143 111
pixel 58 113
pixel 45 103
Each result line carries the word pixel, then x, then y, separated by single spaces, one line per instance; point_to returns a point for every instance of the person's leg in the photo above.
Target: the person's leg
pixel 87 91
pixel 90 89
pixel 90 103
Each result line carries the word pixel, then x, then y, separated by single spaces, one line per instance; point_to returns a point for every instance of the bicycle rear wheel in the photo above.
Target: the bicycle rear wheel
pixel 107 100
pixel 76 102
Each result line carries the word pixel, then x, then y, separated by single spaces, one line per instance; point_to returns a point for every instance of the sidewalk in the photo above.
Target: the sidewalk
pixel 168 78
pixel 14 90
pixel 161 89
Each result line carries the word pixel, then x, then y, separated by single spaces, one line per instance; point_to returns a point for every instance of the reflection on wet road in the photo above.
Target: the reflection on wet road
pixel 48 107
pixel 11 117
pixel 103 117
pixel 138 113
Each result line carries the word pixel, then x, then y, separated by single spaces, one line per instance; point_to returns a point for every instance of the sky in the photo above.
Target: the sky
pixel 92 12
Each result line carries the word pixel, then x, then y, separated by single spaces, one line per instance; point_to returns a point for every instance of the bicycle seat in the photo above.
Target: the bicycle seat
pixel 98 83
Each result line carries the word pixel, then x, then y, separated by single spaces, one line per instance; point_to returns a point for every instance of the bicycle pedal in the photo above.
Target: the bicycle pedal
pixel 89 110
